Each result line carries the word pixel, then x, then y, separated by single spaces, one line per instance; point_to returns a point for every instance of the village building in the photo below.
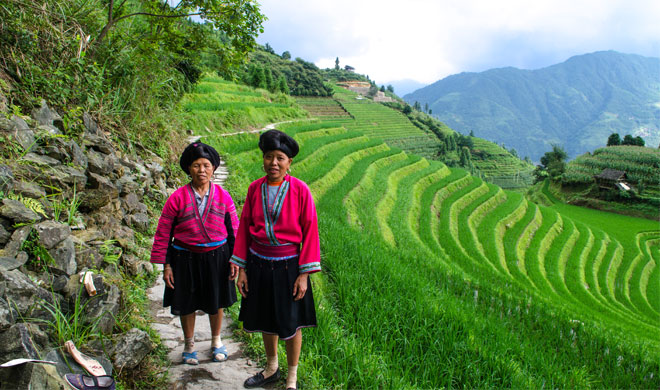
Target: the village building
pixel 610 179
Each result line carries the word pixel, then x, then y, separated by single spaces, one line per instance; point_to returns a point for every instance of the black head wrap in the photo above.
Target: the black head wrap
pixel 198 150
pixel 277 140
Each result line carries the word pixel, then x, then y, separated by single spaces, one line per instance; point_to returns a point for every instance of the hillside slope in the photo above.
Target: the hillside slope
pixel 470 285
pixel 414 133
pixel 576 104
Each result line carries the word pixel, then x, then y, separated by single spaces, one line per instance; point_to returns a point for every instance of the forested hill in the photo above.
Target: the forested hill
pixel 576 104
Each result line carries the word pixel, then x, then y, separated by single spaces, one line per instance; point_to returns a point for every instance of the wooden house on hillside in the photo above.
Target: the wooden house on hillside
pixel 610 179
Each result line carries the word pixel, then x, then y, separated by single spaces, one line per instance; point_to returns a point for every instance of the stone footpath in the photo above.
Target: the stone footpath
pixel 229 374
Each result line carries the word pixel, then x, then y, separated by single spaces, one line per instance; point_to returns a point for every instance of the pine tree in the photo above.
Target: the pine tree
pixel 270 83
pixel 282 86
pixel 337 63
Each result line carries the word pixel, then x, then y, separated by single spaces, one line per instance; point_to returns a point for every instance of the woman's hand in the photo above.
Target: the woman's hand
pixel 300 287
pixel 233 271
pixel 242 282
pixel 168 276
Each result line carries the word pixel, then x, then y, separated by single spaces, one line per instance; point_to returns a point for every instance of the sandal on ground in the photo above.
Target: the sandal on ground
pixel 216 351
pixel 190 358
pixel 84 382
pixel 92 366
pixel 258 380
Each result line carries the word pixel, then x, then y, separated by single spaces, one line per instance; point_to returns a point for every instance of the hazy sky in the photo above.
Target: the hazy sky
pixel 427 40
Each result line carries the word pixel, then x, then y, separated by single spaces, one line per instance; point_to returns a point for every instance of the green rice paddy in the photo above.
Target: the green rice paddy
pixel 433 278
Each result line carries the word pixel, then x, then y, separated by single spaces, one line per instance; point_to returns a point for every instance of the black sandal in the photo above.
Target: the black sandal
pixel 84 382
pixel 258 380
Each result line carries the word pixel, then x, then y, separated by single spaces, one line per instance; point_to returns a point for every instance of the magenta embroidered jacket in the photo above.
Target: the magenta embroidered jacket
pixel 192 228
pixel 291 230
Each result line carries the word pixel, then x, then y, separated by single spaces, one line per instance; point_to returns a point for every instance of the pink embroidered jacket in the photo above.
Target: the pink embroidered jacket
pixel 192 229
pixel 293 224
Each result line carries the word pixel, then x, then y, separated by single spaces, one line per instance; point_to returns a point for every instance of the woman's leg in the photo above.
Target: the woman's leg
pixel 216 324
pixel 270 345
pixel 216 341
pixel 188 325
pixel 293 346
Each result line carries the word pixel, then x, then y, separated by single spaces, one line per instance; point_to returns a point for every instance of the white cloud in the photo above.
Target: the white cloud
pixel 426 40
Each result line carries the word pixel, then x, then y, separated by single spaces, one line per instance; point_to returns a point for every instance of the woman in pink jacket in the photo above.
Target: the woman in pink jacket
pixel 194 240
pixel 277 247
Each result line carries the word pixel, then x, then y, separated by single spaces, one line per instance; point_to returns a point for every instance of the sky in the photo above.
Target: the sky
pixel 425 40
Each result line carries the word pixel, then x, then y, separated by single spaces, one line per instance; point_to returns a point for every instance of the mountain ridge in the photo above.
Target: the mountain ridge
pixel 575 104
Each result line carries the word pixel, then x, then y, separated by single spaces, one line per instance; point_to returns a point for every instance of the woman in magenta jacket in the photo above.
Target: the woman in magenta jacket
pixel 277 247
pixel 194 241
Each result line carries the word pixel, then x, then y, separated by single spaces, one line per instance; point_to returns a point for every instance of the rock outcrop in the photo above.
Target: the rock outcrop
pixel 67 205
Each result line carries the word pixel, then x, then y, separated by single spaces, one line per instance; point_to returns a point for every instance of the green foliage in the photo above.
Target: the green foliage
pixel 31 204
pixel 127 67
pixel 69 205
pixel 614 139
pixel 38 257
pixel 72 324
pixel 552 164
pixel 302 78
pixel 111 253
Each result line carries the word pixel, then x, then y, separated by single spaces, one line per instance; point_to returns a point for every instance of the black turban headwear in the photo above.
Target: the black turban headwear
pixel 277 140
pixel 198 150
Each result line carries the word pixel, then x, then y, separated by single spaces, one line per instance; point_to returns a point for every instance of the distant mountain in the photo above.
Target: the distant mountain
pixel 576 104
pixel 403 87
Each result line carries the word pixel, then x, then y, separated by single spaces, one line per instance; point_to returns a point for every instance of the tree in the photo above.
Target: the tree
pixel 407 109
pixel 270 83
pixel 465 157
pixel 258 77
pixel 286 55
pixel 639 141
pixel 337 63
pixel 373 90
pixel 382 88
pixel 628 140
pixel 614 139
pixel 390 88
pixel 417 106
pixel 513 152
pixel 282 86
pixel 426 107
pixel 552 163
pixel 241 21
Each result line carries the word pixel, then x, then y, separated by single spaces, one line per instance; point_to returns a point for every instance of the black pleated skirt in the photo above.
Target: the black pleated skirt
pixel 269 306
pixel 201 281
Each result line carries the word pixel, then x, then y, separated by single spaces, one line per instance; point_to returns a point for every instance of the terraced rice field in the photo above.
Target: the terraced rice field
pixel 536 295
pixel 380 122
pixel 227 107
pixel 434 278
pixel 324 108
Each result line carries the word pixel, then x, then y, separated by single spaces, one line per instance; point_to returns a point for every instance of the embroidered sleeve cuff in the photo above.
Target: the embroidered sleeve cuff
pixel 309 268
pixel 238 261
